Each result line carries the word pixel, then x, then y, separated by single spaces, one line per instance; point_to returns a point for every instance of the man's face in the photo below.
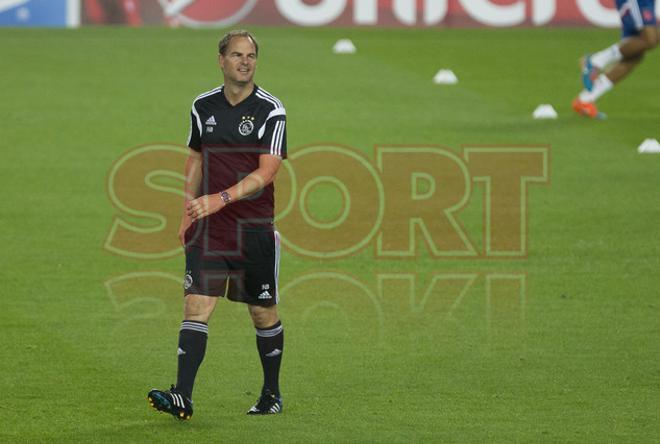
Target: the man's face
pixel 239 62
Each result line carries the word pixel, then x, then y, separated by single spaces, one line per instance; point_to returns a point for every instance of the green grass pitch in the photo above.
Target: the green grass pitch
pixel 568 352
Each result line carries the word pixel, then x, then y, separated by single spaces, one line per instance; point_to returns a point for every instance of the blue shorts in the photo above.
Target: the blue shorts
pixel 635 15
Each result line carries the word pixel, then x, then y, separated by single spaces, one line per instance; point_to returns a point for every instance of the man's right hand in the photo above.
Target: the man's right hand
pixel 186 221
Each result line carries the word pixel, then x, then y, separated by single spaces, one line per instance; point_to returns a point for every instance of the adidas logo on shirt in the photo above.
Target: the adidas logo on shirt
pixel 211 121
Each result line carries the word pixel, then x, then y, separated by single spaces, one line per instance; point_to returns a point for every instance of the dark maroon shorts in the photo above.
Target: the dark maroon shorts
pixel 247 274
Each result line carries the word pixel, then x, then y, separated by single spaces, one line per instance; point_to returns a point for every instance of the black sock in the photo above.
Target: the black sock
pixel 270 343
pixel 192 346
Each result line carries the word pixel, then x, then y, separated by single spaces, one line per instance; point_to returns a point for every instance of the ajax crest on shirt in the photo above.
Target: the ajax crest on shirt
pixel 246 126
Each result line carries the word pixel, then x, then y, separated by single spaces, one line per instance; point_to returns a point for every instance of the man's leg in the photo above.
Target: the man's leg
pixel 177 400
pixel 192 340
pixel 270 344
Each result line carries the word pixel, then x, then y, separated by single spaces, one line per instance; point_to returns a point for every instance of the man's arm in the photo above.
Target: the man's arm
pixel 258 179
pixel 192 188
pixel 250 184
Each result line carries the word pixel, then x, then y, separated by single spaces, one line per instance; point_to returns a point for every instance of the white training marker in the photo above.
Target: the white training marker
pixel 344 46
pixel 445 77
pixel 649 146
pixel 545 111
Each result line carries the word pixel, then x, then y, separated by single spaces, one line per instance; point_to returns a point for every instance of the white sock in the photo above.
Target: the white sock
pixel 607 56
pixel 601 85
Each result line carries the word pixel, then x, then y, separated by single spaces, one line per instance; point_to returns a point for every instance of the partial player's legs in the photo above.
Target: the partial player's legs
pixel 192 347
pixel 270 344
pixel 622 59
pixel 639 35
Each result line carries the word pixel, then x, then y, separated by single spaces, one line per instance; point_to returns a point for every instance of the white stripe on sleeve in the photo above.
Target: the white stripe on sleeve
pixel 276 140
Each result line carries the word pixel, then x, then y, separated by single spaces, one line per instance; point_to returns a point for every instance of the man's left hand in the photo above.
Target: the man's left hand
pixel 204 206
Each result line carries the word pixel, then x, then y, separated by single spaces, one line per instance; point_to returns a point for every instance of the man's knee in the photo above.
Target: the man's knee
pixel 263 317
pixel 198 307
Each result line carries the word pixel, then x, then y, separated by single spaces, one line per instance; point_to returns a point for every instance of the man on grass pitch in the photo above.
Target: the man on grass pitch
pixel 237 142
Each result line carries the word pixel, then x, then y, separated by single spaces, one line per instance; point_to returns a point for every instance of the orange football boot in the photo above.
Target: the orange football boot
pixel 587 109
